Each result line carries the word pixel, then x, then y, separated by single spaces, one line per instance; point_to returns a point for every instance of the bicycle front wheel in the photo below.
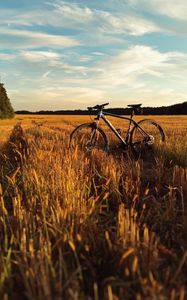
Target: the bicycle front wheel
pixel 88 137
pixel 147 134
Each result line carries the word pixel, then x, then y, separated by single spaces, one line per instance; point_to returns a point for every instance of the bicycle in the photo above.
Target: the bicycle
pixel 145 133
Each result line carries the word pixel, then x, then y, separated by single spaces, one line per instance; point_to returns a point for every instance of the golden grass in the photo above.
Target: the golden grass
pixel 98 226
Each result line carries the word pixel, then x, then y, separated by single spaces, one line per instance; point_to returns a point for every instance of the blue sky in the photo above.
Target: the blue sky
pixel 73 54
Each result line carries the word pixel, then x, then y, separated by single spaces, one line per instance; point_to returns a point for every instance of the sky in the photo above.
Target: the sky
pixel 77 53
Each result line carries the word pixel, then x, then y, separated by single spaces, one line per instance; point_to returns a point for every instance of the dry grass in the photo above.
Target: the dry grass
pixel 92 227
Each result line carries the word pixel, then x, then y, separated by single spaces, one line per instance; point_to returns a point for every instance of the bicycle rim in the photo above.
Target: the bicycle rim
pixel 87 137
pixel 149 135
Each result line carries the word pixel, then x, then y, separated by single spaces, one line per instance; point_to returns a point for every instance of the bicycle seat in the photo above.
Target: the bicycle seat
pixel 134 105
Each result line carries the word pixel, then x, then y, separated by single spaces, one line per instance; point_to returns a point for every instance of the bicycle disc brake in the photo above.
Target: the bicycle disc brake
pixel 150 140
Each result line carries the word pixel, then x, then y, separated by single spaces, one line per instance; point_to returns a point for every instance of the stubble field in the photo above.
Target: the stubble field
pixel 91 227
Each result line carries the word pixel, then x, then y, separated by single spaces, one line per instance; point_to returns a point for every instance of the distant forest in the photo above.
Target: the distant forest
pixel 176 109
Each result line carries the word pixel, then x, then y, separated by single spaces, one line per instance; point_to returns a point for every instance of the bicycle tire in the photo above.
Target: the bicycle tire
pixel 87 137
pixel 153 139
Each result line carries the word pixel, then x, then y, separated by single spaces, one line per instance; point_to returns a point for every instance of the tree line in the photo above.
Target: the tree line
pixel 176 109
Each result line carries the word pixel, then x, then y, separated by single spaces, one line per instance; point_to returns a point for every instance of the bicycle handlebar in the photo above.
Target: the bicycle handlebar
pixel 99 107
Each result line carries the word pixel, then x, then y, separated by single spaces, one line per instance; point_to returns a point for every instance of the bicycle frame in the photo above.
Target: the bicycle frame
pixel 101 115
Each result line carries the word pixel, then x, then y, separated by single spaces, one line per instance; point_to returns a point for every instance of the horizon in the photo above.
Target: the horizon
pixel 107 108
pixel 67 55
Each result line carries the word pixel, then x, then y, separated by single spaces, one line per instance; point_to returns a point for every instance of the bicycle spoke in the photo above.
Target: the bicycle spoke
pixel 86 137
pixel 148 135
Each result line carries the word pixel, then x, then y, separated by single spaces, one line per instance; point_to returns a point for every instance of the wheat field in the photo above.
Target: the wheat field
pixel 90 227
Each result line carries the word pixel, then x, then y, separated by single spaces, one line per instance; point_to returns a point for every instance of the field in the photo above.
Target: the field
pixel 88 227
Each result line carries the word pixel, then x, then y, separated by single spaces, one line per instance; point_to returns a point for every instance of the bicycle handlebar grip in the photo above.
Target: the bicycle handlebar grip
pixel 100 106
pixel 97 106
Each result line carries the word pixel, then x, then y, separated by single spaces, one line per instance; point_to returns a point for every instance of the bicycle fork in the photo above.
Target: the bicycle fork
pixel 93 135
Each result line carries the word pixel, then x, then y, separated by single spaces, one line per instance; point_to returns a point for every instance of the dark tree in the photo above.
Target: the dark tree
pixel 6 110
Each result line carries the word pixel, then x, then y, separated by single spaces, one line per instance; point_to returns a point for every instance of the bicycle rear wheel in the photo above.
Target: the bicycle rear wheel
pixel 87 137
pixel 147 135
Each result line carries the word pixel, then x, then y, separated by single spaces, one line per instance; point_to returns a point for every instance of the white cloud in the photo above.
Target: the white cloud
pixel 67 68
pixel 171 8
pixel 52 98
pixel 137 73
pixel 104 20
pixel 45 75
pixel 81 94
pixel 128 65
pixel 6 56
pixel 71 15
pixel 138 26
pixel 134 68
pixel 142 73
pixel 52 60
pixel 97 53
pixel 132 25
pixel 28 39
pixel 39 56
pixel 58 14
pixel 73 11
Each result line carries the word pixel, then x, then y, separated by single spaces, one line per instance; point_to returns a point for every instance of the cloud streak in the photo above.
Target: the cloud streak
pixel 32 39
pixel 71 15
pixel 173 9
